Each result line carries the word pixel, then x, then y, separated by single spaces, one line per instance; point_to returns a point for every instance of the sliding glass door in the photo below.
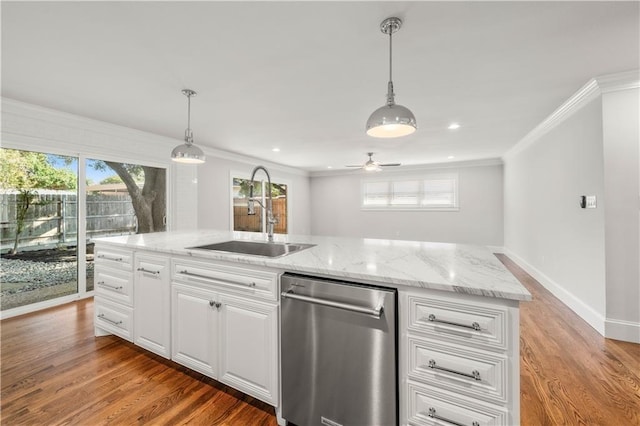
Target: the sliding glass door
pixel 47 227
pixel 122 199
pixel 39 234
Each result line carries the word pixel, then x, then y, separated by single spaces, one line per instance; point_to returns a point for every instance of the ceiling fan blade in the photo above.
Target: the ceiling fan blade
pixel 360 166
pixel 390 165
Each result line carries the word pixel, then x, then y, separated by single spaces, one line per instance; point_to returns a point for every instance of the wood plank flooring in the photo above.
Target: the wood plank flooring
pixel 54 371
pixel 569 373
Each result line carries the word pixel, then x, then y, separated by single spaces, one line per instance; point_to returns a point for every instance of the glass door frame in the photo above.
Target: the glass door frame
pixel 82 293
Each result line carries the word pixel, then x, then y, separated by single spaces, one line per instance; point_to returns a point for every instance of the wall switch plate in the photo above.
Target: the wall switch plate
pixel 591 201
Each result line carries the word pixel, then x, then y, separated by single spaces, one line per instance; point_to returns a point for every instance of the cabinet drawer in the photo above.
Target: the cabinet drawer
pixel 114 258
pixel 113 317
pixel 469 323
pixel 114 284
pixel 481 375
pixel 241 280
pixel 435 407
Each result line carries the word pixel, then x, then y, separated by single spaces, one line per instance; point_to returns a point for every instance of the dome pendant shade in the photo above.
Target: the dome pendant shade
pixel 391 120
pixel 188 153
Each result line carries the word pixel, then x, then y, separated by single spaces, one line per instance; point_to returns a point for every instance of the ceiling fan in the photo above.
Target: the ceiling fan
pixel 374 166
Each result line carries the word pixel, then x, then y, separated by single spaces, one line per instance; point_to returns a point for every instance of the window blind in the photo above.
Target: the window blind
pixel 427 192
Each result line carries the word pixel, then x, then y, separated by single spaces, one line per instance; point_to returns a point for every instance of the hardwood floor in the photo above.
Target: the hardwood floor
pixel 569 373
pixel 54 371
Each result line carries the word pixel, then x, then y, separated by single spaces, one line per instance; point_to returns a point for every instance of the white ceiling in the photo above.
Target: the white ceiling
pixel 304 76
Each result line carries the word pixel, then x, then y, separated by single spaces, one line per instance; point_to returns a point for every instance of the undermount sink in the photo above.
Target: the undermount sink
pixel 255 248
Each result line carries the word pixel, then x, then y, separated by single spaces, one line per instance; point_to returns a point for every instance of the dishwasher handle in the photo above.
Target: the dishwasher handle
pixel 375 312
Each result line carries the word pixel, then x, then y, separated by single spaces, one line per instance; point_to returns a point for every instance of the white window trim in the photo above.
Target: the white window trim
pixel 403 207
pixel 274 178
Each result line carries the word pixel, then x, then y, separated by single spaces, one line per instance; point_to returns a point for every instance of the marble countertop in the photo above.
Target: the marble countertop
pixel 460 268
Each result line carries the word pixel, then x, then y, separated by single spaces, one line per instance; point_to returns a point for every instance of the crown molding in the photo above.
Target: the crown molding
pixel 253 161
pixel 412 168
pixel 589 92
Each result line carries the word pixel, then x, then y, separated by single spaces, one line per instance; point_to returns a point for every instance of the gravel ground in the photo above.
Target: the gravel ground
pixel 25 282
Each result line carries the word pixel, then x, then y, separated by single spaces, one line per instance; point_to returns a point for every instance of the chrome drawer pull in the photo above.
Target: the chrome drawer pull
pixel 433 415
pixel 116 259
pixel 103 284
pixel 101 316
pixel 475 326
pixel 475 374
pixel 148 271
pixel 206 277
pixel 376 312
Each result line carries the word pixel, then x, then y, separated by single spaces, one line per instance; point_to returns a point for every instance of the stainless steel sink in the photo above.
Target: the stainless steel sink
pixel 255 248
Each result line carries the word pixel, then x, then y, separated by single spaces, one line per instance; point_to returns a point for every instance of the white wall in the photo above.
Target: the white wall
pixel 214 190
pixel 335 209
pixel 31 127
pixel 545 228
pixel 621 125
pixel 589 258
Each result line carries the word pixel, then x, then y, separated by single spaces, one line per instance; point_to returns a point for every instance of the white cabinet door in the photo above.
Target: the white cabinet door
pixel 152 302
pixel 195 329
pixel 248 352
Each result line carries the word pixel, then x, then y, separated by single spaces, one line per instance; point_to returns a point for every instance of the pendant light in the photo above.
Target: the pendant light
pixel 391 120
pixel 188 152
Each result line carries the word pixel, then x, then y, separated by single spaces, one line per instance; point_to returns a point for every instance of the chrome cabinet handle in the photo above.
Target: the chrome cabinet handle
pixel 215 304
pixel 475 374
pixel 116 259
pixel 148 271
pixel 433 415
pixel 206 277
pixel 376 312
pixel 103 284
pixel 474 325
pixel 109 320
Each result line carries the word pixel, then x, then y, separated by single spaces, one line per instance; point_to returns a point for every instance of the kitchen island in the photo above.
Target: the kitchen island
pixel 457 313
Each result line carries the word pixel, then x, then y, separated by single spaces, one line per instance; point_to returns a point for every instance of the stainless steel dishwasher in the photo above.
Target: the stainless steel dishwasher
pixel 339 350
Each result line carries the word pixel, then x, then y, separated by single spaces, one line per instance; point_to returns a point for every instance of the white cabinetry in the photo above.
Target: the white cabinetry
pixel 152 301
pixel 224 325
pixel 459 360
pixel 113 311
pixel 248 346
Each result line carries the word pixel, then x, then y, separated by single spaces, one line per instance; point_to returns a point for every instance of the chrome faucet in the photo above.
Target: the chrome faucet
pixel 271 221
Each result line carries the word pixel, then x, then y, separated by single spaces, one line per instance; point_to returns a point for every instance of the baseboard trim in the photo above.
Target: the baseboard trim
pixel 584 311
pixel 38 306
pixel 622 330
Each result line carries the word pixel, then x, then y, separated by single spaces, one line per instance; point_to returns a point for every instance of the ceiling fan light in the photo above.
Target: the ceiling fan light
pixel 391 121
pixel 188 154
pixel 372 168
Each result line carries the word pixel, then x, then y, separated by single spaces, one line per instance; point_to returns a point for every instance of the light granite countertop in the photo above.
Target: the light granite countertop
pixel 460 268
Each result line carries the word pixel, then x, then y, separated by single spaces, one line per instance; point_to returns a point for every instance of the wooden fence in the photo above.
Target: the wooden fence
pixel 243 222
pixel 52 219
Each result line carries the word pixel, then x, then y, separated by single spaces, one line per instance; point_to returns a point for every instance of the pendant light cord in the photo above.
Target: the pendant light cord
pixel 188 135
pixel 390 94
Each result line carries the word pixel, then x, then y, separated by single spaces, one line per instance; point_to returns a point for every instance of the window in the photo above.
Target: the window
pixel 257 223
pixel 46 221
pixel 429 192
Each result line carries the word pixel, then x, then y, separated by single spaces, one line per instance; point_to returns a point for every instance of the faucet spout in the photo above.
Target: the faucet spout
pixel 271 221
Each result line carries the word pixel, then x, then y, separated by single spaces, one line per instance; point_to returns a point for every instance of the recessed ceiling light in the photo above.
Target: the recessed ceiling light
pixel 276 150
pixel 453 126
pixel 451 157
pixel 329 167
